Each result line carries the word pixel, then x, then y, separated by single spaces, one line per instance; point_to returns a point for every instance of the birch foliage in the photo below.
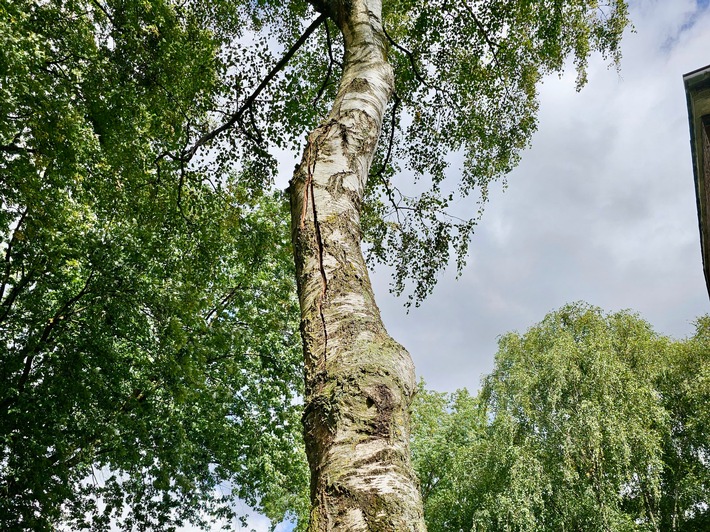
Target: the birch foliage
pixel 588 421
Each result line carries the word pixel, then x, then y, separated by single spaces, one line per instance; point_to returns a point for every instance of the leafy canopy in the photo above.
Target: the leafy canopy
pixel 150 362
pixel 588 421
pixel 466 76
pixel 146 306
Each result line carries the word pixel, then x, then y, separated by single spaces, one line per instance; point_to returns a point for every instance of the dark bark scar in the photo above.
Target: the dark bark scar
pixel 324 280
pixel 309 190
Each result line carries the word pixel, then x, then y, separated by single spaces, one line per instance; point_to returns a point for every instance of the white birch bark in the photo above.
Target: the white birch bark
pixel 359 381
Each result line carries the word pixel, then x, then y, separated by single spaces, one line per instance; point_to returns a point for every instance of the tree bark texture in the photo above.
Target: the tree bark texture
pixel 359 381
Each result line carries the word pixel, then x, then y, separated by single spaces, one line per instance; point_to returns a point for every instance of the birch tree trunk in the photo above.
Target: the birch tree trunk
pixel 359 381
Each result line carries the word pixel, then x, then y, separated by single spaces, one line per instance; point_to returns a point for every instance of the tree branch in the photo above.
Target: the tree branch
pixel 236 116
pixel 30 351
pixel 386 162
pixel 13 147
pixel 418 76
pixel 331 60
pixel 8 252
pixel 223 303
pixel 101 7
pixel 494 46
pixel 409 55
pixel 17 287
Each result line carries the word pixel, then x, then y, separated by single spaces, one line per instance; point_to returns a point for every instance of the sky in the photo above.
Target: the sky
pixel 601 209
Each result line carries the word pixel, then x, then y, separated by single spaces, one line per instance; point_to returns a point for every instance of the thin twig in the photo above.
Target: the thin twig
pixel 409 55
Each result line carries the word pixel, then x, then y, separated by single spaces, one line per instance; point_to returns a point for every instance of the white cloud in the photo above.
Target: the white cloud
pixel 602 209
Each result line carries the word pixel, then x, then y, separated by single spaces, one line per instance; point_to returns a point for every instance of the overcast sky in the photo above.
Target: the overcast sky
pixel 601 209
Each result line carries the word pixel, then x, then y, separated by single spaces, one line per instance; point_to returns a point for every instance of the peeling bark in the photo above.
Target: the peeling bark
pixel 359 381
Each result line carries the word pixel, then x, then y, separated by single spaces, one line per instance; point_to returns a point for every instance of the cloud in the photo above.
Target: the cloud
pixel 601 209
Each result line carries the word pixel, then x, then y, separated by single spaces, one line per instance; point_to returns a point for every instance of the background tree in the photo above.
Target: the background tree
pixel 447 436
pixel 684 387
pixel 144 110
pixel 578 427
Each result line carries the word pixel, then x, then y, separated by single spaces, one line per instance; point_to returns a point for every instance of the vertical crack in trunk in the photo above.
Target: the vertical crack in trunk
pixel 359 381
pixel 311 157
pixel 324 279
